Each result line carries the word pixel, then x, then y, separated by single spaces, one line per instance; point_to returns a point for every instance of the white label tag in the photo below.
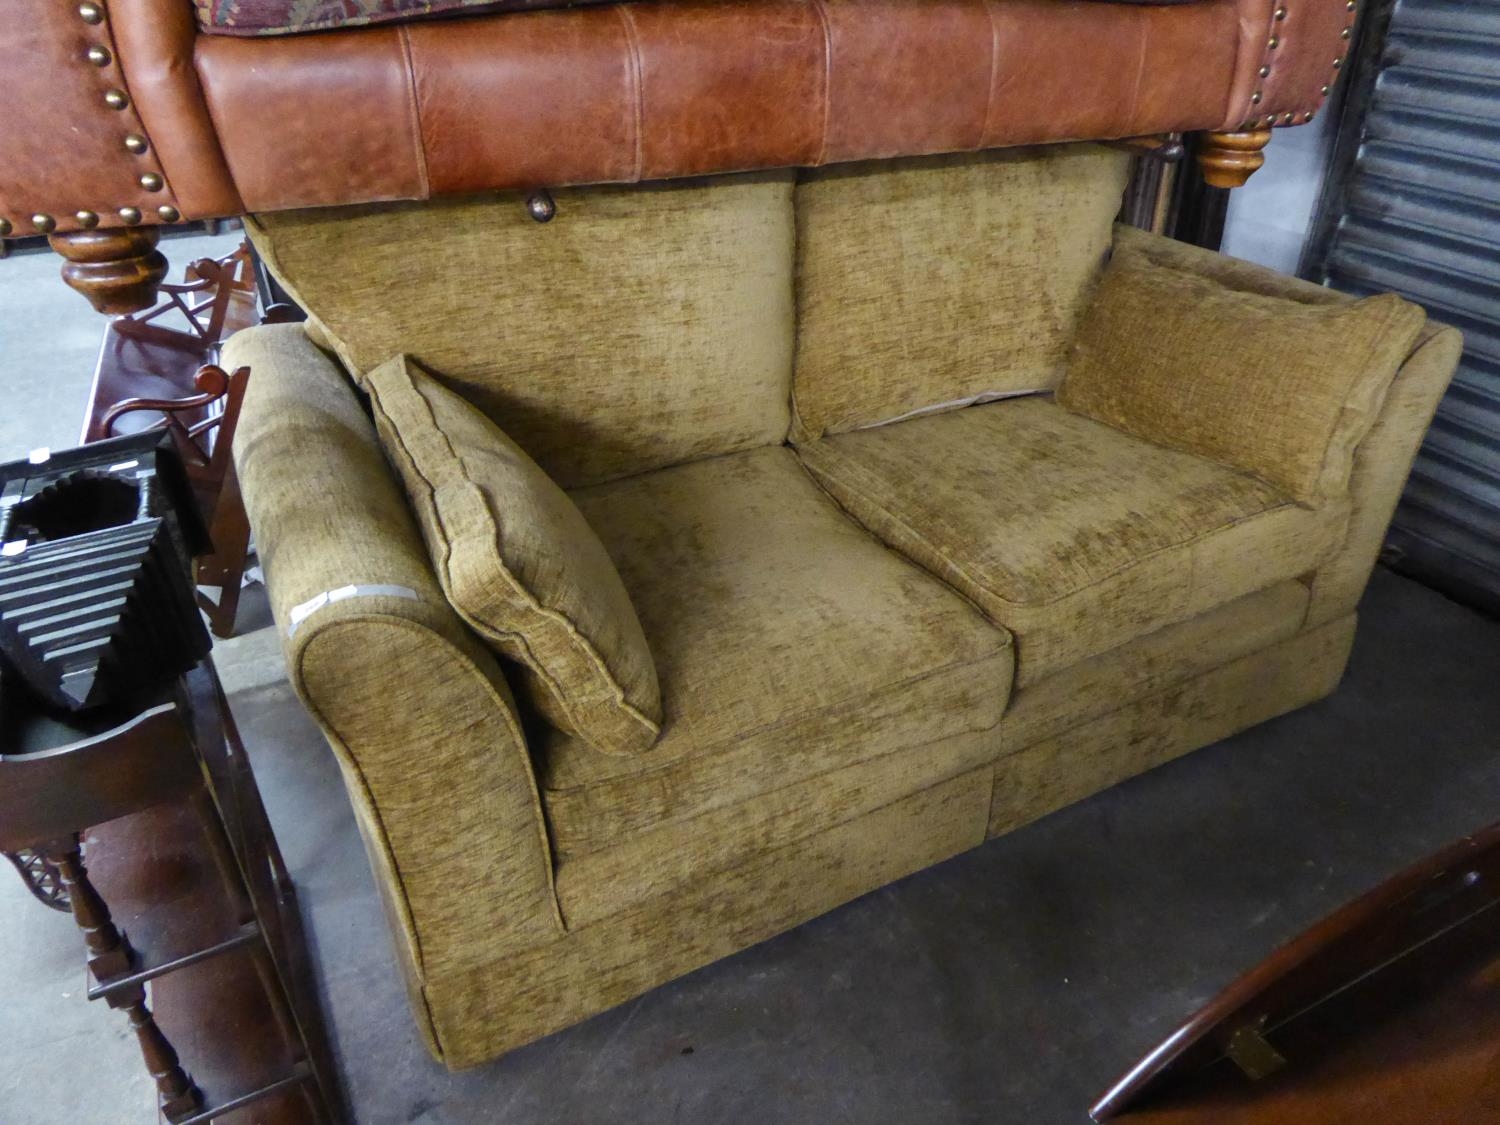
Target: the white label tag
pixel 302 612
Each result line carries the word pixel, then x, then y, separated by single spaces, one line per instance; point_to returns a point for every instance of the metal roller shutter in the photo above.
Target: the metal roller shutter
pixel 1414 206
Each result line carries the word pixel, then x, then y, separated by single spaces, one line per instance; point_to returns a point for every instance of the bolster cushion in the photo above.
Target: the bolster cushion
pixel 1277 388
pixel 519 563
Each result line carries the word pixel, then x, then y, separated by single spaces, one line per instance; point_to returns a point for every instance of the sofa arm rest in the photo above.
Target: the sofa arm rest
pixel 1382 462
pixel 416 710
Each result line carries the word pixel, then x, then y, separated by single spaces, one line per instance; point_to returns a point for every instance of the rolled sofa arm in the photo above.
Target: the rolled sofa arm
pixel 416 710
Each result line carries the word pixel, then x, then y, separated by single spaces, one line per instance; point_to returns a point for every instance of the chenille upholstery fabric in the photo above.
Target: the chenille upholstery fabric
pixel 1152 729
pixel 834 715
pixel 1382 463
pixel 936 281
pixel 522 996
pixel 1148 664
pixel 671 857
pixel 787 641
pixel 641 327
pixel 519 562
pixel 1075 536
pixel 1271 386
pixel 415 708
pixel 1383 459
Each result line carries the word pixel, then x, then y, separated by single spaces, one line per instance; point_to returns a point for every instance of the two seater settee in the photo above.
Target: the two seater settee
pixel 894 506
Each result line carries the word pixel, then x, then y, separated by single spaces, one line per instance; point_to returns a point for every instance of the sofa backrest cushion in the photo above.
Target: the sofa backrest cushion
pixel 939 281
pixel 1278 388
pixel 518 562
pixel 640 327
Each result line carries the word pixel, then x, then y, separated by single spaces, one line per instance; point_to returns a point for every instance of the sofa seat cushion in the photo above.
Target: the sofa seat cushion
pixel 788 643
pixel 1074 536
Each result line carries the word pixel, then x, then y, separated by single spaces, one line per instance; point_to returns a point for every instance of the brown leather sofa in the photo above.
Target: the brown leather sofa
pixel 121 115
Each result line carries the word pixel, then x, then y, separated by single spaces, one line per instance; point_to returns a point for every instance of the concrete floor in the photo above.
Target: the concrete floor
pixel 1008 985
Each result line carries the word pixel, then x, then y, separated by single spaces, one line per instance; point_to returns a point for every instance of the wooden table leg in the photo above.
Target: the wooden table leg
pixel 109 956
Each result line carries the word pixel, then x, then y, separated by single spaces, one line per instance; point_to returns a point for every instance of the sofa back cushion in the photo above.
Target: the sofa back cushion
pixel 1277 388
pixel 940 281
pixel 640 327
pixel 519 563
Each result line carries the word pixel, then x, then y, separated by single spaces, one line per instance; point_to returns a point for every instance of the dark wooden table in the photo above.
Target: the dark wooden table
pixel 183 890
pixel 1385 1013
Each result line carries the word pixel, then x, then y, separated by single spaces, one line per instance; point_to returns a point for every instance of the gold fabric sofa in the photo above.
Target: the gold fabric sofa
pixel 900 598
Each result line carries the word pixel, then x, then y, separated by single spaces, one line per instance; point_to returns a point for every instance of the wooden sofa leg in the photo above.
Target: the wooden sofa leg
pixel 1229 159
pixel 117 270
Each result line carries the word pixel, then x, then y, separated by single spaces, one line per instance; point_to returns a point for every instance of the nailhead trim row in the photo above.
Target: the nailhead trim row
pixel 102 59
pixel 1274 41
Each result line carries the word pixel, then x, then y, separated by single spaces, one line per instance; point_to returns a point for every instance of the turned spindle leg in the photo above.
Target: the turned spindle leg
pixel 118 270
pixel 110 955
pixel 1229 159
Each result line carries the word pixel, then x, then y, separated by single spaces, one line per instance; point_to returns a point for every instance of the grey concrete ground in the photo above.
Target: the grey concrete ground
pixel 1008 985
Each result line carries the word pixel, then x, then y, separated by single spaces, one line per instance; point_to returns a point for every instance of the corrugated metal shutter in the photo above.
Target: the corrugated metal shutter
pixel 1421 216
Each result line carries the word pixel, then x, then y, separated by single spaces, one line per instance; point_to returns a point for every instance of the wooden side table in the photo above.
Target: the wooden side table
pixel 1386 1011
pixel 158 368
pixel 183 888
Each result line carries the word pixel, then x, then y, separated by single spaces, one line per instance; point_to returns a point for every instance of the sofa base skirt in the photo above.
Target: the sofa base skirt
pixel 1067 767
pixel 487 1010
pixel 522 995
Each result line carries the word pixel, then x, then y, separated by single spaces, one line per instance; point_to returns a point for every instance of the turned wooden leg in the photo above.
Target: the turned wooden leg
pixel 110 955
pixel 117 270
pixel 1229 159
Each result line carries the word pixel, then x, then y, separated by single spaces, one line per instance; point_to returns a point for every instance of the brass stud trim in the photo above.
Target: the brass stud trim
pixel 91 13
pixel 1345 33
pixel 116 99
pixel 130 216
pixel 87 219
pixel 1351 5
pixel 1280 13
pixel 1255 98
pixel 135 143
pixel 1273 42
pixel 5 228
pixel 44 223
pixel 151 182
pixel 99 56
pixel 1337 63
pixel 1265 72
pixel 1327 90
pixel 1288 118
pixel 168 213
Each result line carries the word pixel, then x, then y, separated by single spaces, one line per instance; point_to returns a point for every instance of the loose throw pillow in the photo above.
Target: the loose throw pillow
pixel 518 562
pixel 1278 388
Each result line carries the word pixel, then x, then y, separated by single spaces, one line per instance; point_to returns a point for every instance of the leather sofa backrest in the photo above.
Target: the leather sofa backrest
pixel 640 327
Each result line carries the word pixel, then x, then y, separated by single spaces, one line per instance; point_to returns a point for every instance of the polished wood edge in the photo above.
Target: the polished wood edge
pixel 1228 160
pixel 1376 930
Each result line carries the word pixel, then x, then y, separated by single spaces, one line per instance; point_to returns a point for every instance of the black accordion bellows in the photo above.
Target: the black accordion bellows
pixel 96 593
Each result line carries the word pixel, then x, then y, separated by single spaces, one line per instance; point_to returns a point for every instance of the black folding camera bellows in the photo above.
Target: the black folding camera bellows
pixel 96 589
